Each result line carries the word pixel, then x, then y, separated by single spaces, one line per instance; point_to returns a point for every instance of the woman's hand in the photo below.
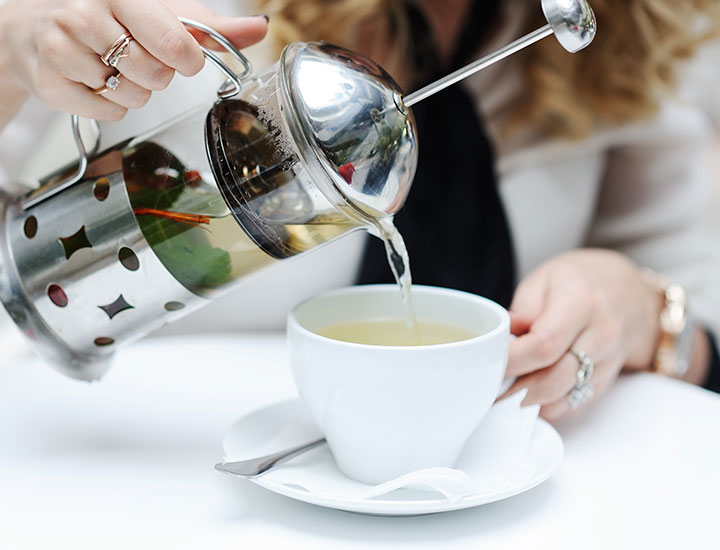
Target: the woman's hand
pixel 596 301
pixel 52 49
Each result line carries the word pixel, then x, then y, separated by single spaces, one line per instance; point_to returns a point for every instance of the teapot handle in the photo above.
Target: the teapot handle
pixel 230 88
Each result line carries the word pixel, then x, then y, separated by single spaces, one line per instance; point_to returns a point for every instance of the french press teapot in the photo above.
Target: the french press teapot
pixel 144 232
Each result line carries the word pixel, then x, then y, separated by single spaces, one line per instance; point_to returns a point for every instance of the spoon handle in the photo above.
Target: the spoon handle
pixel 256 466
pixel 476 66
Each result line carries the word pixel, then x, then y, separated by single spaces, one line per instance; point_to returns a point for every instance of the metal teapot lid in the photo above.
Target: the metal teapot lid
pixel 344 113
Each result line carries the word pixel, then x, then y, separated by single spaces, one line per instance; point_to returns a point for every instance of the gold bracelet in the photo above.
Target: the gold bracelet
pixel 672 355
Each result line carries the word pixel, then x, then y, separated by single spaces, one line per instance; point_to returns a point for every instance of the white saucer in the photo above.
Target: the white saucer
pixel 287 423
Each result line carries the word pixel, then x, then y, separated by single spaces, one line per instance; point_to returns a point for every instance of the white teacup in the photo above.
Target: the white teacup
pixel 390 410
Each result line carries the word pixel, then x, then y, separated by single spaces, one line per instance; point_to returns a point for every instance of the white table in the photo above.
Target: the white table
pixel 128 463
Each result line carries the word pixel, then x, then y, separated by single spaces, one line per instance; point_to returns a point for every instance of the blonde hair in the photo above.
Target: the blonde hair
pixel 621 77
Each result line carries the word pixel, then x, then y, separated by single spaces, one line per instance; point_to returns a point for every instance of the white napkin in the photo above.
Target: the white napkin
pixel 494 457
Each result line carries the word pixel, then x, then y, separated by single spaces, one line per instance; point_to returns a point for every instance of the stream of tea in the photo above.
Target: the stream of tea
pixel 399 261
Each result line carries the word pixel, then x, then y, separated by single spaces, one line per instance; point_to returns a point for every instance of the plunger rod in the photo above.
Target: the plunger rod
pixel 477 65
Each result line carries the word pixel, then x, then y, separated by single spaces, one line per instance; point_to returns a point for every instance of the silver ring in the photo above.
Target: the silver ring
pixel 583 389
pixel 586 368
pixel 118 50
pixel 112 82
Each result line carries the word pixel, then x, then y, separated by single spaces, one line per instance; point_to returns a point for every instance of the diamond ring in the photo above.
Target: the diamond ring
pixel 112 82
pixel 583 388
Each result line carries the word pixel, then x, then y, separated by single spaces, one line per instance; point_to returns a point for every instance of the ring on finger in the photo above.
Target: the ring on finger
pixel 583 389
pixel 587 365
pixel 112 82
pixel 122 52
pixel 117 51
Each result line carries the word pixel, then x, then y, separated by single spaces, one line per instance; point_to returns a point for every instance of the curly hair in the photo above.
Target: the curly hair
pixel 633 62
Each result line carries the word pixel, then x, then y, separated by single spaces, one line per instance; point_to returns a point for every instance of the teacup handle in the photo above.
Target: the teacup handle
pixel 229 89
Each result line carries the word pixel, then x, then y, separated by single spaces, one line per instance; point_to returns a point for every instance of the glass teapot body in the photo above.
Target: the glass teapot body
pixel 157 226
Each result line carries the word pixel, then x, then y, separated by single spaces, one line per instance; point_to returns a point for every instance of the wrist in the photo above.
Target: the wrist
pixel 701 357
pixel 645 325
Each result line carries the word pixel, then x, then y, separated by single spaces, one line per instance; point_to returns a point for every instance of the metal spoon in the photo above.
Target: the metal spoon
pixel 572 22
pixel 254 467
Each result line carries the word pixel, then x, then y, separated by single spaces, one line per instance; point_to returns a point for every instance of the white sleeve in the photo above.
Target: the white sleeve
pixel 4 178
pixel 653 205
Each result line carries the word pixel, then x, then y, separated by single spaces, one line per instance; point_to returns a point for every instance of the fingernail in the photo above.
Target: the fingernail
pixel 266 16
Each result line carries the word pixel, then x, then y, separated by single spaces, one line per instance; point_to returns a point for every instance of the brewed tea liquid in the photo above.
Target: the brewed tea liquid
pixel 399 261
pixel 389 332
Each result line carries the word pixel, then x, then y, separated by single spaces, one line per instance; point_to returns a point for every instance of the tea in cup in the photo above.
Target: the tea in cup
pixel 389 404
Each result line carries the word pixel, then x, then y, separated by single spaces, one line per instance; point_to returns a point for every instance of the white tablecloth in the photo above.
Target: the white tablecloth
pixel 128 463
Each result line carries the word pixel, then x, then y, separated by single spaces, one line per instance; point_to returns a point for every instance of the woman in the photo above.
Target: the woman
pixel 593 301
pixel 600 170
